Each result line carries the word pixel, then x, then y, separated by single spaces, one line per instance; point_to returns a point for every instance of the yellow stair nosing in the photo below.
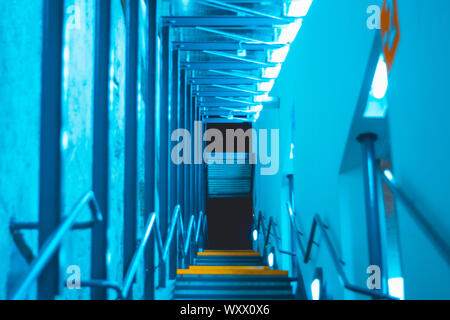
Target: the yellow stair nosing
pixel 223 253
pixel 210 250
pixel 228 267
pixel 233 272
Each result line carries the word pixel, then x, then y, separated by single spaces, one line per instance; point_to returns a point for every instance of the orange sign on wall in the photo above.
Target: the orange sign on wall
pixel 390 31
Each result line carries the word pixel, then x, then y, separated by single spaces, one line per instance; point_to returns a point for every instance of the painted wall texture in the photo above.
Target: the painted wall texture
pixel 418 120
pixel 323 76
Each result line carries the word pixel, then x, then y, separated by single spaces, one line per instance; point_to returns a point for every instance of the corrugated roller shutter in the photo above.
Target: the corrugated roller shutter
pixel 229 180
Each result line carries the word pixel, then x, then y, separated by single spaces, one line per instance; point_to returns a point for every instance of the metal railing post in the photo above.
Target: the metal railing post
pixel 367 142
pixel 50 141
pixel 130 188
pixel 100 144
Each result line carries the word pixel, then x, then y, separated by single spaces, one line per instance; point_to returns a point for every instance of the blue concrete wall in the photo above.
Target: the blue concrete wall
pixel 77 108
pixel 20 96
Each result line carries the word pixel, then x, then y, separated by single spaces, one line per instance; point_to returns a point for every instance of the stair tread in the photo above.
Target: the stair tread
pixel 231 274
pixel 229 253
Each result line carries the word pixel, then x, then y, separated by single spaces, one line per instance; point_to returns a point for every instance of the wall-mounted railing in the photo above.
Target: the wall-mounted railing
pixel 428 228
pixel 317 224
pixel 189 244
pixel 267 232
pixel 53 242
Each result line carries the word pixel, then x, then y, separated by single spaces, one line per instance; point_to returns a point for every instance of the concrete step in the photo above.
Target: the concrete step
pixel 231 270
pixel 233 297
pixel 242 292
pixel 229 263
pixel 229 253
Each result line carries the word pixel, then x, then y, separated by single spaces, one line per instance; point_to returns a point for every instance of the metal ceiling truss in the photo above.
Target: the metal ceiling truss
pixel 227 74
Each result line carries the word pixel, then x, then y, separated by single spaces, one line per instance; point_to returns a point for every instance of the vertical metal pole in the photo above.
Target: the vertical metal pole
pixel 100 144
pixel 184 167
pixel 130 192
pixel 50 152
pixel 174 112
pixel 195 165
pixel 150 134
pixel 164 150
pixel 367 142
pixel 191 166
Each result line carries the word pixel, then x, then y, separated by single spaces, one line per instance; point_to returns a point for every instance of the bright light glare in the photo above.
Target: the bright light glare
pixel 256 108
pixel 380 80
pixel 375 108
pixel 256 116
pixel 185 4
pixel 288 33
pixel 315 289
pixel 278 55
pixel 230 117
pixel 242 53
pixel 291 155
pixel 271 72
pixel 388 174
pixel 255 235
pixel 65 140
pixel 396 288
pixel 290 210
pixel 262 98
pixel 270 259
pixel 299 8
pixel 265 86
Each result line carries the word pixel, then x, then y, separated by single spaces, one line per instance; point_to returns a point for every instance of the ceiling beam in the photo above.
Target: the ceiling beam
pixel 224 65
pixel 225 21
pixel 226 45
pixel 212 81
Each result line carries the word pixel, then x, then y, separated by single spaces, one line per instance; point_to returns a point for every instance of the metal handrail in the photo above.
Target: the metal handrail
pixel 266 236
pixel 338 263
pixel 177 218
pixel 54 241
pixel 123 291
pixel 440 243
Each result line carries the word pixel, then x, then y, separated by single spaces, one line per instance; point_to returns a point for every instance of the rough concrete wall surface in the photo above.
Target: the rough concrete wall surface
pixel 77 135
pixel 116 145
pixel 20 96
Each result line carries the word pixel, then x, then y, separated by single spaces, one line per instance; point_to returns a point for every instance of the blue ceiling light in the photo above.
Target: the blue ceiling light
pixel 265 86
pixel 377 102
pixel 298 8
pixel 271 72
pixel 278 55
pixel 289 32
pixel 380 80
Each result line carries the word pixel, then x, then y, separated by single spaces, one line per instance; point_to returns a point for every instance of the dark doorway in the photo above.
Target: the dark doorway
pixel 230 218
pixel 229 223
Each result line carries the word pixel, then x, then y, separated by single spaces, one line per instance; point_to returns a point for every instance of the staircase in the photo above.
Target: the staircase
pixel 231 275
